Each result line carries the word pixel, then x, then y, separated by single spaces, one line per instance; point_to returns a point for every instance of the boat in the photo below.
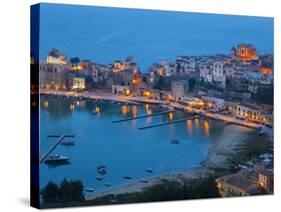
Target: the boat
pixel 128 177
pixel 67 142
pixel 175 141
pixel 57 159
pixel 149 170
pixel 102 171
pixel 89 189
pixel 101 167
pixel 107 184
pixel 99 178
pixel 143 180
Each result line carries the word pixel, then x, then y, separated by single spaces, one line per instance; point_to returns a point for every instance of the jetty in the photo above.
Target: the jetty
pixel 169 122
pixel 60 139
pixel 143 116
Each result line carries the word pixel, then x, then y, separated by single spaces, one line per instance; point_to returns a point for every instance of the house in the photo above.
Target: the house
pixel 121 90
pixel 205 72
pixel 236 185
pixel 266 180
pixel 52 76
pixel 218 73
pixel 179 89
pixel 250 112
pixel 55 56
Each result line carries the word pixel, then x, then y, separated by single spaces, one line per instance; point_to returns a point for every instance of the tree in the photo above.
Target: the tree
pixel 76 189
pixel 74 61
pixel 50 192
pixel 65 191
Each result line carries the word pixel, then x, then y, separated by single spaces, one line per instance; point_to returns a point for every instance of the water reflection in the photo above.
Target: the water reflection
pixel 125 110
pixel 134 110
pixel 206 127
pixel 171 116
pixel 189 125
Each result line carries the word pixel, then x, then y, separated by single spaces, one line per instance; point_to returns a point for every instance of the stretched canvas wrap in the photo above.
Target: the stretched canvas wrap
pixel 133 105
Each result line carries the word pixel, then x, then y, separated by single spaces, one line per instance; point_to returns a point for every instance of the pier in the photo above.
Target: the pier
pixel 143 116
pixel 54 146
pixel 170 122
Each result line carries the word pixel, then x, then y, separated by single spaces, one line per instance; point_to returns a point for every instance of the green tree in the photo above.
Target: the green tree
pixel 65 191
pixel 50 192
pixel 76 189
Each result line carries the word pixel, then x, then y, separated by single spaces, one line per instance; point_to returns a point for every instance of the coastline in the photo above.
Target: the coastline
pixel 216 159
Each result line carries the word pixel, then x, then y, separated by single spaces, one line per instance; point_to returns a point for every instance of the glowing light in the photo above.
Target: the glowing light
pixel 146 94
pixel 127 92
pixel 149 112
pixel 146 106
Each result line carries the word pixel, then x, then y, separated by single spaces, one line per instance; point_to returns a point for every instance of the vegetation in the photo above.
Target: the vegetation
pixel 67 191
pixel 166 191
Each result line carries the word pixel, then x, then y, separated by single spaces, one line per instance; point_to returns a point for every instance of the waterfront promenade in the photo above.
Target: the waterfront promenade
pixel 137 100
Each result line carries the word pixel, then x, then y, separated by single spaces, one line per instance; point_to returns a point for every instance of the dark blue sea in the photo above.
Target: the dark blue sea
pixel 106 34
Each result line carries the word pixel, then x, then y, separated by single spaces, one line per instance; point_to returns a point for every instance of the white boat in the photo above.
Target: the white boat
pixel 143 180
pixel 56 159
pixel 67 142
pixel 89 189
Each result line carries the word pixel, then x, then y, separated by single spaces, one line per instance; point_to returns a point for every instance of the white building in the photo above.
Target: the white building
pixel 178 89
pixel 56 57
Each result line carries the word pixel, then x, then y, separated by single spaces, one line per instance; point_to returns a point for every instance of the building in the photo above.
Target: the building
pixel 52 76
pixel 55 56
pixel 121 90
pixel 266 180
pixel 245 52
pixel 236 185
pixel 77 83
pixel 205 72
pixel 250 112
pixel 169 68
pixel 218 73
pixel 179 89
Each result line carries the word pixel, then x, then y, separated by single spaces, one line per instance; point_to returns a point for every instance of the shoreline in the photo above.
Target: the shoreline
pixel 215 158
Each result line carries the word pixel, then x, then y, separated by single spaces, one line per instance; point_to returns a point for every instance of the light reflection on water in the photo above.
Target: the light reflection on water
pixel 123 148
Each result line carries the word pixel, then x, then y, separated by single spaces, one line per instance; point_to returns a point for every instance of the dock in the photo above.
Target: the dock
pixel 169 122
pixel 143 116
pixel 54 146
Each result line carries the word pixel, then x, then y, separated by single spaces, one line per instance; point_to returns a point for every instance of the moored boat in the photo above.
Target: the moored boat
pixel 57 159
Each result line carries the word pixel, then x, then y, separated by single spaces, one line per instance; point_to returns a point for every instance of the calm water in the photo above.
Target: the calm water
pixel 122 147
pixel 105 34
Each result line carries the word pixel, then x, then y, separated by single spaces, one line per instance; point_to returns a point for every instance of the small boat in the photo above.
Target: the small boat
pixel 149 170
pixel 99 178
pixel 89 189
pixel 143 180
pixel 128 177
pixel 67 142
pixel 102 171
pixel 107 184
pixel 57 159
pixel 101 167
pixel 175 141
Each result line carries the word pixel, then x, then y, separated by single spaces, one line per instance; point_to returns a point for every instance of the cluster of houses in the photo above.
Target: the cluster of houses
pixel 230 82
pixel 255 177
